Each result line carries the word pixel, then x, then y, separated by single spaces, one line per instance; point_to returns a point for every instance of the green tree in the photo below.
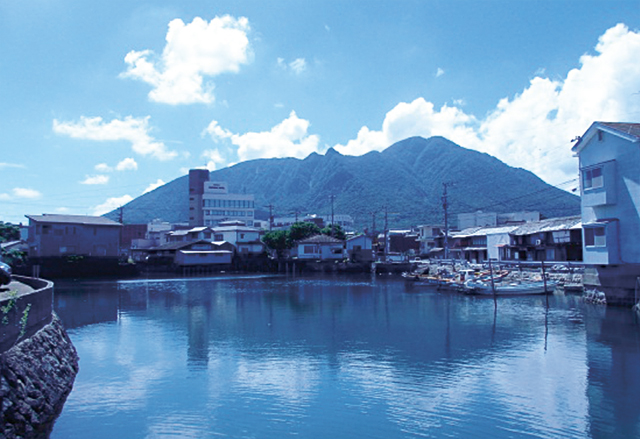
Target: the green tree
pixel 277 240
pixel 302 230
pixel 337 231
pixel 9 232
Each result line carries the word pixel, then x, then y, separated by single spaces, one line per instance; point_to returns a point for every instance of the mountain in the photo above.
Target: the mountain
pixel 405 180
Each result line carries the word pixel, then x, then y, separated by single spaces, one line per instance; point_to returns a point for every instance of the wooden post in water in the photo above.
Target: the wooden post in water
pixel 544 277
pixel 493 285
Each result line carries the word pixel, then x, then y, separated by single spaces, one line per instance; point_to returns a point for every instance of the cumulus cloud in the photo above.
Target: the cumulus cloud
pixel 127 164
pixel 439 72
pixel 133 130
pixel 20 192
pixel 153 186
pixel 95 179
pixel 532 129
pixel 110 204
pixel 192 52
pixel 289 138
pixel 214 158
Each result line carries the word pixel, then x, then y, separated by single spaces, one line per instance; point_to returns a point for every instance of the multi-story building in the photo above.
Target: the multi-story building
pixel 59 235
pixel 210 202
pixel 609 158
pixel 427 236
pixel 345 221
pixel 493 219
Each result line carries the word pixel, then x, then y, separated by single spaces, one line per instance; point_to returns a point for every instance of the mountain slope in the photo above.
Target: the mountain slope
pixel 405 180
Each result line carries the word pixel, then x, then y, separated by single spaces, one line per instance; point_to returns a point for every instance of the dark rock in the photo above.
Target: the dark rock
pixel 36 376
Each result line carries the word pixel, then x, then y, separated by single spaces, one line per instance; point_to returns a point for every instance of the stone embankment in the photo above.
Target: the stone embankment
pixel 37 368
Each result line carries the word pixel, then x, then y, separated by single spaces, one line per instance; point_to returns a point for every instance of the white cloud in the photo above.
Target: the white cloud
pixel 298 65
pixel 95 179
pixel 134 130
pixel 20 192
pixel 127 164
pixel 10 165
pixel 62 209
pixel 214 158
pixel 103 167
pixel 5 196
pixel 533 129
pixel 287 139
pixel 153 186
pixel 193 51
pixel 439 72
pixel 110 204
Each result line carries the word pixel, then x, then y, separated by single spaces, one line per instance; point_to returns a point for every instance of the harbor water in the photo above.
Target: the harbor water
pixel 343 357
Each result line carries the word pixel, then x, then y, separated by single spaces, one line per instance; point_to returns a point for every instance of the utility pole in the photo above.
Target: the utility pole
pixel 445 205
pixel 373 224
pixel 386 230
pixel 270 216
pixel 121 215
pixel 332 198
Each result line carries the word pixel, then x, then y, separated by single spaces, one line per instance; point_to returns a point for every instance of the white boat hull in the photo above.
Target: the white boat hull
pixel 524 289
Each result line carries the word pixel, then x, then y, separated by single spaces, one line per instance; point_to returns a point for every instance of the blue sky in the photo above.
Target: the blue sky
pixel 102 101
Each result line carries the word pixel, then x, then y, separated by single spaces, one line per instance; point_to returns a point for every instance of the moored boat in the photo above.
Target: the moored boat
pixel 509 289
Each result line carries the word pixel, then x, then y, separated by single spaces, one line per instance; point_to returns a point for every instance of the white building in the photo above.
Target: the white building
pixel 345 221
pixel 245 239
pixel 427 236
pixel 211 203
pixel 493 219
pixel 609 158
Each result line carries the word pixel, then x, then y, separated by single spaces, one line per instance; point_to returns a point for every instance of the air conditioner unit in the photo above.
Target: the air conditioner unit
pixel 538 241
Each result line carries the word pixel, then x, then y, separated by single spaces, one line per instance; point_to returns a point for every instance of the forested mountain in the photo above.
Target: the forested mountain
pixel 405 180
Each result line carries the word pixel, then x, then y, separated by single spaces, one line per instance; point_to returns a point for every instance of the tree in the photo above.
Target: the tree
pixel 9 232
pixel 338 233
pixel 302 230
pixel 277 240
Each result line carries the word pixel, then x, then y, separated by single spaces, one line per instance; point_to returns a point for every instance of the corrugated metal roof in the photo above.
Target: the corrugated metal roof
pixel 73 219
pixel 547 225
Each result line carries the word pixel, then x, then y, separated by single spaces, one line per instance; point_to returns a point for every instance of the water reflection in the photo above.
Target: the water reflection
pixel 343 357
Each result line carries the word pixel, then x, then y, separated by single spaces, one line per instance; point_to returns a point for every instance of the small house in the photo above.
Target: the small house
pixel 320 247
pixel 360 248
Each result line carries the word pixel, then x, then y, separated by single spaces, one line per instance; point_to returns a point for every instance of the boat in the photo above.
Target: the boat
pixel 509 289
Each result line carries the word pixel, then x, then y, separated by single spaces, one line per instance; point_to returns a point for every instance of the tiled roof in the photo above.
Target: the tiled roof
pixel 320 239
pixel 73 219
pixel 632 129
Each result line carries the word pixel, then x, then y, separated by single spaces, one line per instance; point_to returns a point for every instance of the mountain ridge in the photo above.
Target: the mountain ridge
pixel 405 180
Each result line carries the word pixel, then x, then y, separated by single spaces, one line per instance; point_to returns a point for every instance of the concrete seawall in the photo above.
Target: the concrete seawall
pixel 38 362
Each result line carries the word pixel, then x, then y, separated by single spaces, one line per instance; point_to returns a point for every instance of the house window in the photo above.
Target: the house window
pixel 308 249
pixel 595 237
pixel 218 237
pixel 592 178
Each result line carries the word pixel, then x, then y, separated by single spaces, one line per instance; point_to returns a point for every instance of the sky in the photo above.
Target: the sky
pixel 103 101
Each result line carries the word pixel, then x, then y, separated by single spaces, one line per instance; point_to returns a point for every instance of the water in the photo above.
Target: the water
pixel 343 357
